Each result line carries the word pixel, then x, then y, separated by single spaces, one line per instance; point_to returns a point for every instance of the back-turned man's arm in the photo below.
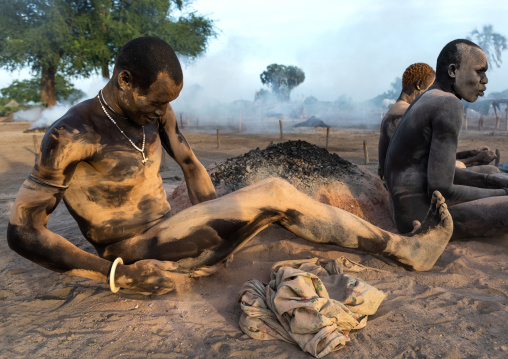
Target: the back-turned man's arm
pixel 446 123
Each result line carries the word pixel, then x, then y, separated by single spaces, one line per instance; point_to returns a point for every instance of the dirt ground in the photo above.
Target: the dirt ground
pixel 456 310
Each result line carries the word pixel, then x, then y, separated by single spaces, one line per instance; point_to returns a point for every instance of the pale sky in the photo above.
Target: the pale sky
pixel 353 48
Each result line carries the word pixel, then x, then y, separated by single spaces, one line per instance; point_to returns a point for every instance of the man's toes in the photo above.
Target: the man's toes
pixel 438 199
pixel 444 213
pixel 416 226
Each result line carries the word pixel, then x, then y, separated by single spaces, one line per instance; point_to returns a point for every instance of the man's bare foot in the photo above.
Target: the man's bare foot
pixel 423 246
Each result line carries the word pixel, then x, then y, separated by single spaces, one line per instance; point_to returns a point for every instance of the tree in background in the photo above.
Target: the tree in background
pixel 79 37
pixel 282 79
pixel 107 25
pixel 29 90
pixel 492 44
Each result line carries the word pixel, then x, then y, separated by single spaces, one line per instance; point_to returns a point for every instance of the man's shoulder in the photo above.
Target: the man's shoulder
pixel 437 98
pixel 77 119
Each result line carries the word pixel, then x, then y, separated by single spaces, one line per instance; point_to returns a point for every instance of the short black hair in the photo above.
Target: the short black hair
pixel 145 58
pixel 452 54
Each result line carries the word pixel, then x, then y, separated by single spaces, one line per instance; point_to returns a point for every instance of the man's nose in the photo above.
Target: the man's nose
pixel 484 80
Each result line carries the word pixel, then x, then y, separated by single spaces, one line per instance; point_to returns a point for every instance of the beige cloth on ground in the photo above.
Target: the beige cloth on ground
pixel 308 302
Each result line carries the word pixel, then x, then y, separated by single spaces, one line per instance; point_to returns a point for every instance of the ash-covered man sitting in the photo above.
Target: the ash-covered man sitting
pixel 103 158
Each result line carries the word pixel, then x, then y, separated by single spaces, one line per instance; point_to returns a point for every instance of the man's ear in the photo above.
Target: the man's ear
pixel 125 80
pixel 418 84
pixel 452 70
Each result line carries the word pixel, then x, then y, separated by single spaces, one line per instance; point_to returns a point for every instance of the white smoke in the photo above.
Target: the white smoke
pixel 29 115
pixel 48 116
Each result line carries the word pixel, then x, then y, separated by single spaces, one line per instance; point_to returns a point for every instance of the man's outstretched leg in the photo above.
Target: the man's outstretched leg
pixel 209 232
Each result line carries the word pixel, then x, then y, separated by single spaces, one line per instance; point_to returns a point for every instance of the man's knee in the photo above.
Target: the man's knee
pixel 278 186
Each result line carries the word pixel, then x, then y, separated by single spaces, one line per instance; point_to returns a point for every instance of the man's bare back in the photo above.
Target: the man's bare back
pixel 416 79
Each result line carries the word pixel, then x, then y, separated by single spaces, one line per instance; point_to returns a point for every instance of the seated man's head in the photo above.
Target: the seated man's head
pixel 461 69
pixel 148 76
pixel 417 79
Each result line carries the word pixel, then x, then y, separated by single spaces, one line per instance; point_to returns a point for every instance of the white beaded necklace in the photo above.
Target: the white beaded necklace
pixel 142 149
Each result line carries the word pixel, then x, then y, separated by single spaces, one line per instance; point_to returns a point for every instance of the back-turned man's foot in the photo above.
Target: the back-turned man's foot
pixel 422 247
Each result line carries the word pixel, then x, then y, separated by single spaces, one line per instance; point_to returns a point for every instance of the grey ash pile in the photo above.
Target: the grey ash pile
pixel 299 162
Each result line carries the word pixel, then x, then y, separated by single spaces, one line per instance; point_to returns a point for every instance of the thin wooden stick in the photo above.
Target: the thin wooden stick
pixel 365 152
pixel 280 124
pixel 240 123
pixel 498 120
pixel 181 120
pixel 36 145
pixel 465 119
pixel 507 116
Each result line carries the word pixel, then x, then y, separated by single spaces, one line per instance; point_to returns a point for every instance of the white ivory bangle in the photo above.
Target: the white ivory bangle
pixel 114 288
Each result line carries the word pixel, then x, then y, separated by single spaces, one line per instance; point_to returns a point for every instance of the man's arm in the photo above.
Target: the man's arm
pixel 441 166
pixel 27 232
pixel 28 236
pixel 198 181
pixel 36 200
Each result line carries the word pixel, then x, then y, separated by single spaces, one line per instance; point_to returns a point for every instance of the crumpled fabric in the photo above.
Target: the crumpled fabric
pixel 309 302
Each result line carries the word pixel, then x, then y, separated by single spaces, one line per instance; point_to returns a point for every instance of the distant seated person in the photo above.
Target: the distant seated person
pixel 416 79
pixel 477 160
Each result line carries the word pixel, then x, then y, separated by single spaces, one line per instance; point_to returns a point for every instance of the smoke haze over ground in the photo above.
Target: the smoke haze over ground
pixel 348 50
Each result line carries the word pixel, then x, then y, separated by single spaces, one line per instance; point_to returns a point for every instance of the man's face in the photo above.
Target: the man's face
pixel 145 107
pixel 470 77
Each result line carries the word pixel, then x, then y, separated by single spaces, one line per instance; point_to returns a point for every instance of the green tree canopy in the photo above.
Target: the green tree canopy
pixel 491 42
pixel 282 79
pixel 79 37
pixel 25 91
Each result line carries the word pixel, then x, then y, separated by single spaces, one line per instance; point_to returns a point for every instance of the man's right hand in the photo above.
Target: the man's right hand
pixel 148 276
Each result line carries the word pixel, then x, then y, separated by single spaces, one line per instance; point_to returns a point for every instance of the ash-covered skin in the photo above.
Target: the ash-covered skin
pixel 421 156
pixel 121 208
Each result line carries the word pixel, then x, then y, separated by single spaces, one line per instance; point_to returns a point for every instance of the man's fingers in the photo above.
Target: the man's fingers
pixel 164 265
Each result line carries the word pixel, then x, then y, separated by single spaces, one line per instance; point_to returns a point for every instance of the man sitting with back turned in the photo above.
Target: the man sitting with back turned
pixel 103 157
pixel 416 79
pixel 422 152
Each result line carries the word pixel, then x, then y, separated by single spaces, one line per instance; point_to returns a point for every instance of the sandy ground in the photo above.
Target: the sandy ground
pixel 456 310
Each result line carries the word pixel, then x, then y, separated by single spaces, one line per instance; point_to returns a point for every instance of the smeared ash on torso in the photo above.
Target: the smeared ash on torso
pixel 311 169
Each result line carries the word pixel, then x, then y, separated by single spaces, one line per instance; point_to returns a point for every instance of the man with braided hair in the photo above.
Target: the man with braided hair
pixel 416 79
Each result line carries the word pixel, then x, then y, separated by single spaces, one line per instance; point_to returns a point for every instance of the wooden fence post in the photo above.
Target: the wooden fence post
pixel 365 152
pixel 36 145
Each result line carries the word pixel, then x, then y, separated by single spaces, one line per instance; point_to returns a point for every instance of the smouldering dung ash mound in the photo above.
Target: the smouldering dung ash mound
pixel 299 162
pixel 323 176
